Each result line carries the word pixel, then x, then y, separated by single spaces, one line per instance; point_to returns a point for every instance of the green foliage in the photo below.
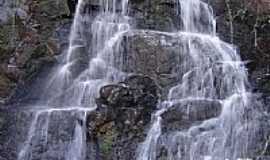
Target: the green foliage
pixel 107 145
pixel 108 134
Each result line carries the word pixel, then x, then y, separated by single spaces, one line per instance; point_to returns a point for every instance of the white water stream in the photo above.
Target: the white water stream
pixel 72 87
pixel 213 72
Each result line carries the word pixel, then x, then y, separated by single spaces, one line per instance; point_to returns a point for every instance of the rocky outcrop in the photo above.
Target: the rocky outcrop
pixel 248 23
pixel 155 14
pixel 33 32
pixel 155 54
pixel 12 132
pixel 122 117
pixel 244 23
pixel 28 41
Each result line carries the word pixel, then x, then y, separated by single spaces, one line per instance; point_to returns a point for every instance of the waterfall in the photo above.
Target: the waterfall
pixel 58 128
pixel 196 16
pixel 213 72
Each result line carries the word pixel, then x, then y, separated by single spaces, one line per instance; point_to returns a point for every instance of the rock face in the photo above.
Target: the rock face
pixel 154 54
pixel 12 124
pixel 155 14
pixel 124 111
pixel 246 20
pixel 183 115
pixel 33 32
pixel 29 41
pixel 248 23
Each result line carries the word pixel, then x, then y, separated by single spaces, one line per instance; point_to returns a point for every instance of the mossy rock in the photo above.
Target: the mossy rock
pixel 107 145
pixel 107 134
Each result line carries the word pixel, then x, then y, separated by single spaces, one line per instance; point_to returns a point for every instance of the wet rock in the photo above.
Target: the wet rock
pixel 183 115
pixel 114 94
pixel 123 114
pixel 13 131
pixel 128 102
pixel 155 54
pixel 155 14
pixel 54 8
pixel 133 91
pixel 5 87
pixel 150 14
pixel 28 42
pixel 248 21
pixel 8 10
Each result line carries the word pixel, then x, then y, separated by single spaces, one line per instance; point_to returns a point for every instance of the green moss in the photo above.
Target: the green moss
pixel 107 145
pixel 107 135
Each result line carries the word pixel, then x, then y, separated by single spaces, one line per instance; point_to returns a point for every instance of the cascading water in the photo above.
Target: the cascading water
pixel 196 16
pixel 73 86
pixel 213 72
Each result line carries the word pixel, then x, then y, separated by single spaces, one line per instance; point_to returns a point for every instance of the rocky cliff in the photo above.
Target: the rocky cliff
pixel 246 24
pixel 30 38
pixel 33 34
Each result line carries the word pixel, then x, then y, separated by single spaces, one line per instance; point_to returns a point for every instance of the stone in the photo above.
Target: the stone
pixel 54 8
pixel 28 44
pixel 124 111
pixel 184 114
pixel 259 6
pixel 129 93
pixel 6 86
pixel 155 54
pixel 250 25
pixel 155 14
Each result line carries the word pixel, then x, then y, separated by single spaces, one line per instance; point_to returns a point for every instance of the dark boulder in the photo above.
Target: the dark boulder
pixel 134 91
pixel 28 43
pixel 122 116
pixel 155 54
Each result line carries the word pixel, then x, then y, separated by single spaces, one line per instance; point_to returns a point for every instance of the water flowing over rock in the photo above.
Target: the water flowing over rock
pixel 214 72
pixel 70 89
pixel 135 80
pixel 188 112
